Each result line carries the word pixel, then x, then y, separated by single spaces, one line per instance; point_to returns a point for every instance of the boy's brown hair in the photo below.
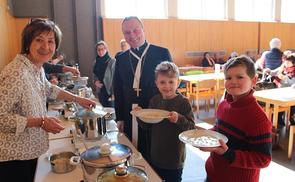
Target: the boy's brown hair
pixel 243 61
pixel 168 69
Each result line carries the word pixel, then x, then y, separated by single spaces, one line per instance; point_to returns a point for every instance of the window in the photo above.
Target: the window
pixel 254 10
pixel 140 8
pixel 202 9
pixel 287 11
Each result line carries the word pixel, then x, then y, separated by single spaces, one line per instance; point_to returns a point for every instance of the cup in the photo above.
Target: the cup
pixel 217 68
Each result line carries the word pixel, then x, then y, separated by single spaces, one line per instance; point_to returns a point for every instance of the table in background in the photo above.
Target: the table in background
pixel 278 97
pixel 194 79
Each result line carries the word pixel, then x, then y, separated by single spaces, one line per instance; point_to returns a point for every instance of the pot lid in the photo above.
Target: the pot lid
pixel 96 157
pixel 93 113
pixel 123 174
pixel 87 113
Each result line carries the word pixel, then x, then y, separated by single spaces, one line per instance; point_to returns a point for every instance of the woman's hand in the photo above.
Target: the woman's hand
pixel 84 102
pixel 98 84
pixel 138 108
pixel 73 70
pixel 51 124
pixel 173 116
pixel 120 126
pixel 218 150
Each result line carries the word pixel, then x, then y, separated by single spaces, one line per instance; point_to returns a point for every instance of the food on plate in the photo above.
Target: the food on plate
pixel 152 115
pixel 105 148
pixel 204 141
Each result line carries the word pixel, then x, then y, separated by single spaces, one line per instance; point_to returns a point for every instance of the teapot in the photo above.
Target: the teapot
pixel 91 125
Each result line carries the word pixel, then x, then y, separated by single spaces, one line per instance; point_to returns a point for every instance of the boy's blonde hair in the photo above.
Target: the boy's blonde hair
pixel 168 69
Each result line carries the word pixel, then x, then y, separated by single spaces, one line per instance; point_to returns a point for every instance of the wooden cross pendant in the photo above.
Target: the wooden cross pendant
pixel 137 90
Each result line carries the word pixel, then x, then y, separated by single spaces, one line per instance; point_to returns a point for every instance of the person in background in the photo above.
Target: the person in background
pixel 24 124
pixel 251 55
pixel 233 55
pixel 244 123
pixel 57 59
pixel 284 76
pixel 103 70
pixel 124 47
pixel 218 58
pixel 271 59
pixel 207 60
pixel 52 69
pixel 167 151
pixel 134 85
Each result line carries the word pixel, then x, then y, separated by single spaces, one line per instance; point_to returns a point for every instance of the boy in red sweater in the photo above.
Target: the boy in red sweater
pixel 243 121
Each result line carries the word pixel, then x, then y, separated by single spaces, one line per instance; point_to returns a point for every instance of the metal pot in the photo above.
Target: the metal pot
pixel 96 161
pixel 60 163
pixel 80 81
pixel 91 125
pixel 123 174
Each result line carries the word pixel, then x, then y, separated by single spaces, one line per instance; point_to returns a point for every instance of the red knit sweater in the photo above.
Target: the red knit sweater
pixel 249 133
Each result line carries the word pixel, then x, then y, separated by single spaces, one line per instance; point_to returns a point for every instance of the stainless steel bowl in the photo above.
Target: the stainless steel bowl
pixel 60 162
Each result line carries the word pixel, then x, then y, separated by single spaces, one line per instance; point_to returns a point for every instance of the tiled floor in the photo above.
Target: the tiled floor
pixel 280 169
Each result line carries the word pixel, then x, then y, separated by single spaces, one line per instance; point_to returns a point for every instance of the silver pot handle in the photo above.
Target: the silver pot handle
pixel 75 160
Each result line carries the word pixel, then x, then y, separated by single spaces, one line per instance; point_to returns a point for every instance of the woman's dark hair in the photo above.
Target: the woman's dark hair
pixel 34 29
pixel 205 54
pixel 291 57
pixel 243 61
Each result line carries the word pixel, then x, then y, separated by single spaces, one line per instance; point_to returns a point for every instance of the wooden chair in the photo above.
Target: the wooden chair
pixel 220 89
pixel 291 141
pixel 183 91
pixel 204 90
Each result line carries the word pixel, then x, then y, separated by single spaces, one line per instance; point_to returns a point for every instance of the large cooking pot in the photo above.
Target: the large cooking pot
pixel 98 159
pixel 91 125
pixel 123 174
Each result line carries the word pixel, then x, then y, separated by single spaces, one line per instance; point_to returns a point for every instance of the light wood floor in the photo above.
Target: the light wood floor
pixel 280 169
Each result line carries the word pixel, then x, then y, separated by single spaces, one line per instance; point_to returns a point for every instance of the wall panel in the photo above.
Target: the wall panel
pixel 284 31
pixel 180 36
pixel 10 34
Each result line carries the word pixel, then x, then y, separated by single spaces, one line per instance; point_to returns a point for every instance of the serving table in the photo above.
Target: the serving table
pixel 64 142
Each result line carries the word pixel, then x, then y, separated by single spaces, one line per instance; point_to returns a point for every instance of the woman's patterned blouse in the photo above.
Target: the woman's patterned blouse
pixel 23 93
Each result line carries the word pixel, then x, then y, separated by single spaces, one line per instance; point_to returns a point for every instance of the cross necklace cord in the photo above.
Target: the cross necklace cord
pixel 137 73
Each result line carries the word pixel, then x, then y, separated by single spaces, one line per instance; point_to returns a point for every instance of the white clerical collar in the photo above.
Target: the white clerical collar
pixel 140 47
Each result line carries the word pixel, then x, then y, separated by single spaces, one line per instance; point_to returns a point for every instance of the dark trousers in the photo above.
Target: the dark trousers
pixel 103 97
pixel 169 175
pixel 16 171
pixel 144 143
pixel 292 121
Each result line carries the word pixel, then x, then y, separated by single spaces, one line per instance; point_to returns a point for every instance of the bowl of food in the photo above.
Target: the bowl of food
pixel 60 162
pixel 202 138
pixel 150 115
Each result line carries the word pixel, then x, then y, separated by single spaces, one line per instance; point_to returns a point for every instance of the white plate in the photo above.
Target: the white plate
pixel 202 138
pixel 150 115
